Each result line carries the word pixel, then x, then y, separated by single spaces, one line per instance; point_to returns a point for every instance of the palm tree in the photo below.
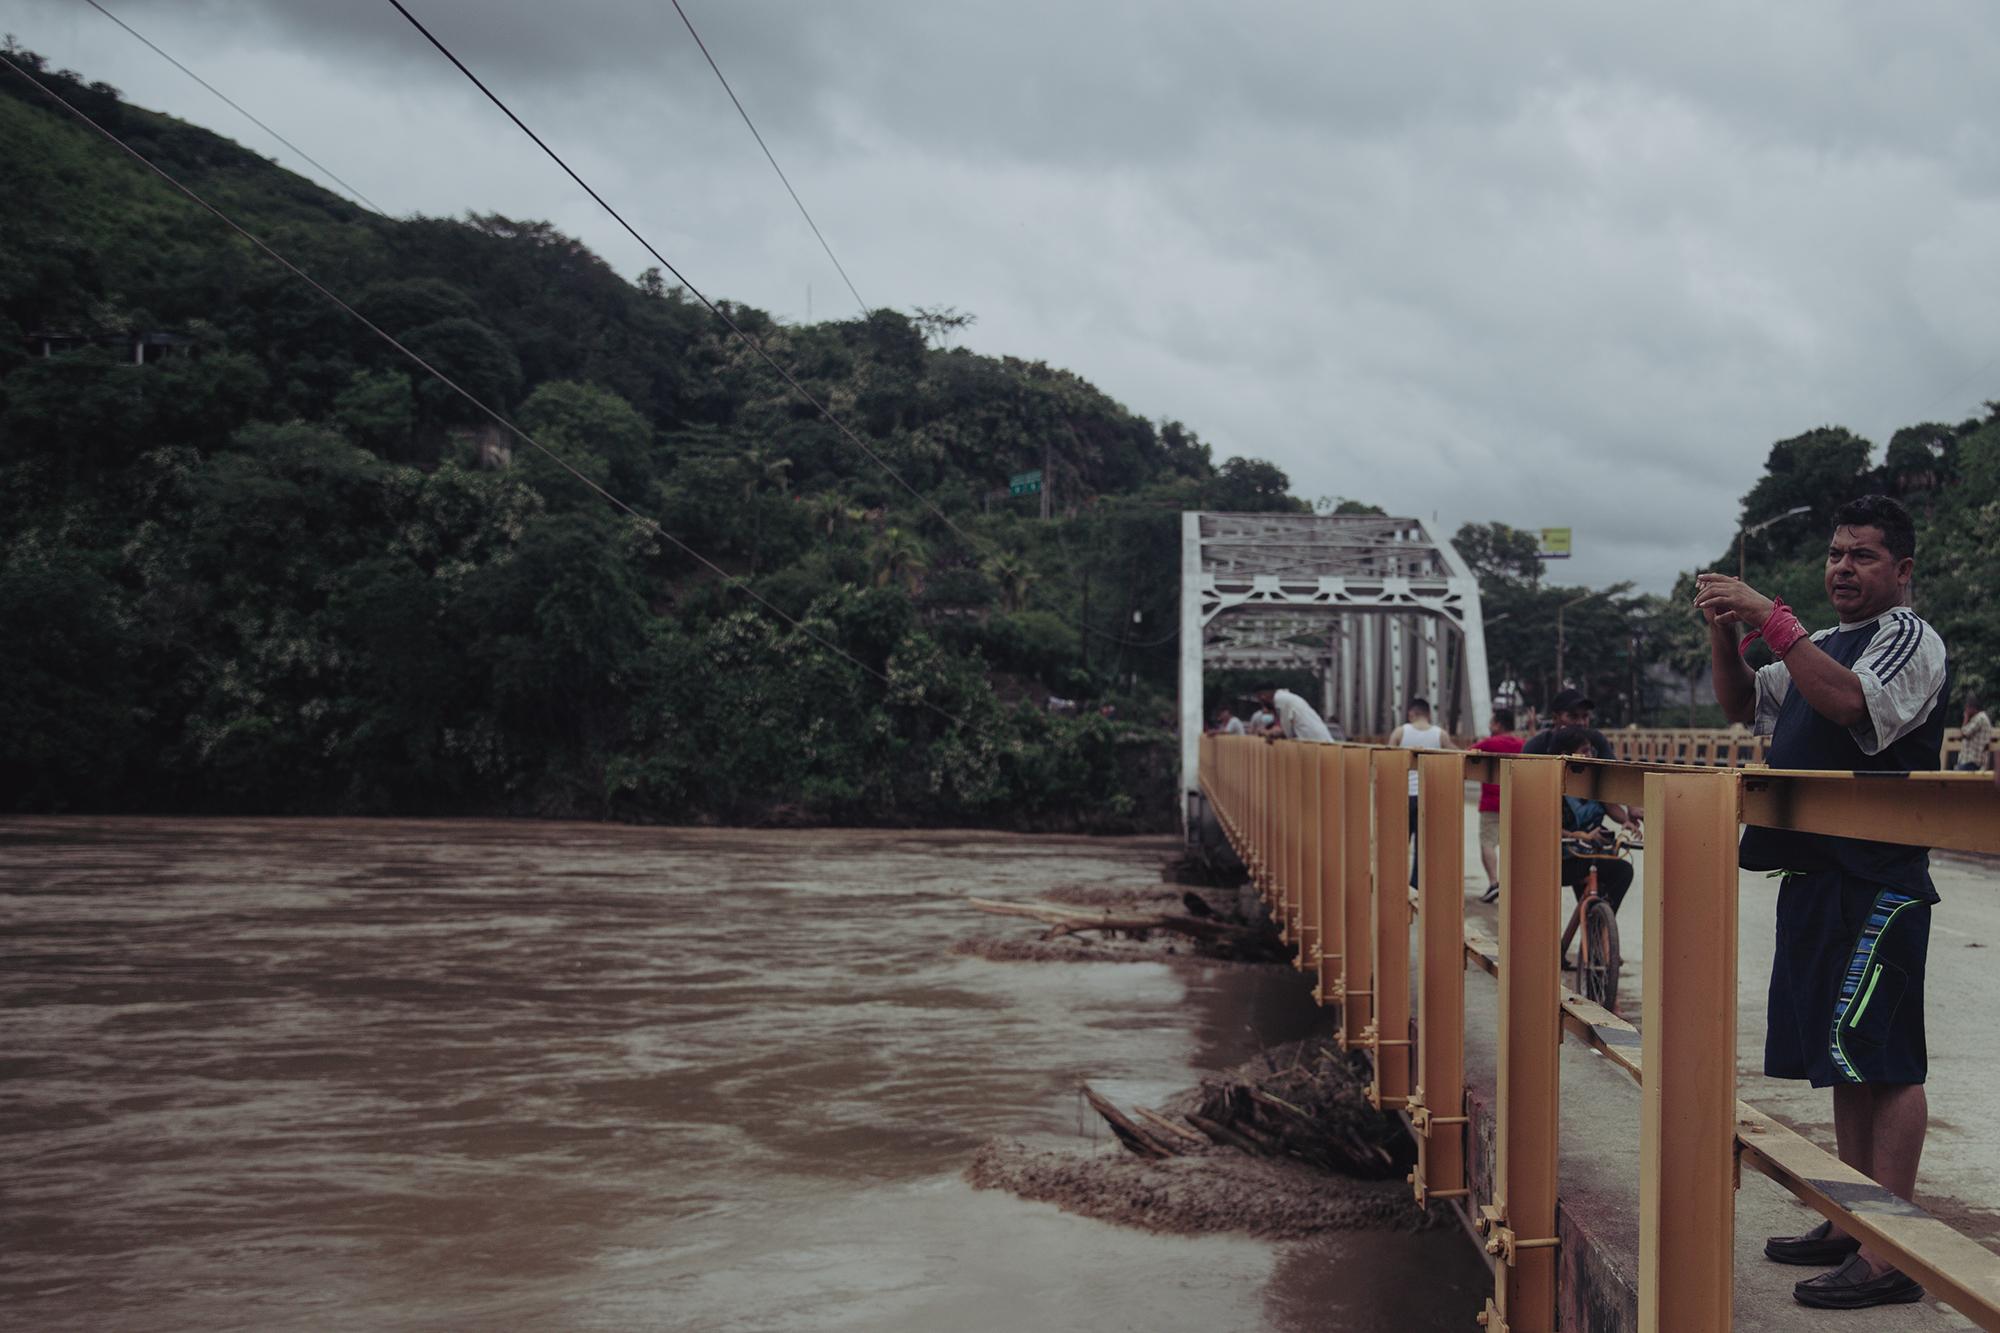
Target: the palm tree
pixel 764 471
pixel 829 512
pixel 1013 577
pixel 899 558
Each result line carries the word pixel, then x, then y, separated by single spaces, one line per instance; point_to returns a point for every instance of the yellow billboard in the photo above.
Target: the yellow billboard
pixel 1555 544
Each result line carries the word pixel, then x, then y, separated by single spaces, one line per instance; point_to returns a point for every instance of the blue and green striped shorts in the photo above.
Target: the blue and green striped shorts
pixel 1847 982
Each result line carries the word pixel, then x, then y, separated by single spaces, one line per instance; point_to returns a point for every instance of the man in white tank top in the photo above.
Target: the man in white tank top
pixel 1418 732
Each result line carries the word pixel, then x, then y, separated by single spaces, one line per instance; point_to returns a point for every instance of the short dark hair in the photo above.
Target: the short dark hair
pixel 1899 531
pixel 1420 704
pixel 1505 717
pixel 1564 740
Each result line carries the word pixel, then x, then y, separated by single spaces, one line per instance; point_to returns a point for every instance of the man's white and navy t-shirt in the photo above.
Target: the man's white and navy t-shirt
pixel 1901 668
pixel 1900 662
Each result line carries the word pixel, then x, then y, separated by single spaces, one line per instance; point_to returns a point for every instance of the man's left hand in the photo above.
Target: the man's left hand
pixel 1730 601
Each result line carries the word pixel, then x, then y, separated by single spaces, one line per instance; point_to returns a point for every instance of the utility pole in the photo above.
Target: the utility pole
pixel 1048 477
pixel 1560 643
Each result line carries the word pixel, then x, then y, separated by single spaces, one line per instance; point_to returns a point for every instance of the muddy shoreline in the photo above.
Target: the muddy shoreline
pixel 1202 1160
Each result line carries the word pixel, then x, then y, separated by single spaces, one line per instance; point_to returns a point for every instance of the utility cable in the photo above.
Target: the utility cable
pixel 734 327
pixel 324 170
pixel 767 155
pixel 650 523
pixel 752 343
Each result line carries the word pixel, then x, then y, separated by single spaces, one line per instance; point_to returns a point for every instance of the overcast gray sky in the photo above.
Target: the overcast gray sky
pixel 1546 263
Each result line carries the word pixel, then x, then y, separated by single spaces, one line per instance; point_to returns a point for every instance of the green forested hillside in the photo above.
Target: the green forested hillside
pixel 281 569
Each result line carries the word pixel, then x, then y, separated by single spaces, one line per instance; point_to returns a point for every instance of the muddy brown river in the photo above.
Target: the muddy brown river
pixel 293 1074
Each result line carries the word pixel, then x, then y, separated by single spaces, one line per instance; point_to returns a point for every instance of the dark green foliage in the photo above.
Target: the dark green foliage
pixel 283 569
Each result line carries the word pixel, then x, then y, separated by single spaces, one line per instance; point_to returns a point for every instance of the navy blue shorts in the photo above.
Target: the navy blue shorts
pixel 1847 982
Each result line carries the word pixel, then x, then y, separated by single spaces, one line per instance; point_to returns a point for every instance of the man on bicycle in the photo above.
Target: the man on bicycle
pixel 1569 708
pixel 1586 842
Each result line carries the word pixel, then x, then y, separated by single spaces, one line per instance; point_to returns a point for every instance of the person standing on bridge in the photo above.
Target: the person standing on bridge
pixel 1501 740
pixel 1418 732
pixel 1294 717
pixel 1847 981
pixel 1975 736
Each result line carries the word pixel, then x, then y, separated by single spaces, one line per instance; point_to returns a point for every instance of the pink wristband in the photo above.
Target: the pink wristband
pixel 1782 631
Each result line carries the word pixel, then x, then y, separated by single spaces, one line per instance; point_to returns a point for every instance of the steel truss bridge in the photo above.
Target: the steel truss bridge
pixel 1377 608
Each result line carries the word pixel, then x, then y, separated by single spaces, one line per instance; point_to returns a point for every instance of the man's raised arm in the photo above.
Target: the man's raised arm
pixel 1735 682
pixel 1833 690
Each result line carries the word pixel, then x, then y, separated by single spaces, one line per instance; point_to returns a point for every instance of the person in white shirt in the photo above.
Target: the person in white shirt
pixel 1226 723
pixel 1418 732
pixel 1296 719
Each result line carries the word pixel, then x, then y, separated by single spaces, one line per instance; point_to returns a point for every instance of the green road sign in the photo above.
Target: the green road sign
pixel 1025 483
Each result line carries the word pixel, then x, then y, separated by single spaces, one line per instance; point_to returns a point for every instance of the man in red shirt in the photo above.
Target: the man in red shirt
pixel 1500 740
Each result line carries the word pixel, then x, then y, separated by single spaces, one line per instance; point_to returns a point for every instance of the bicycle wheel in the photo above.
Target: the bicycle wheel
pixel 1598 959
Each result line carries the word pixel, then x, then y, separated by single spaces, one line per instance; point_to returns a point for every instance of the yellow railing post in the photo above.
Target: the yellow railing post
pixel 1437 1106
pixel 1389 929
pixel 1282 828
pixel 1299 809
pixel 1356 850
pixel 1253 819
pixel 1521 1221
pixel 1687 1133
pixel 1332 908
pixel 1311 850
pixel 1260 821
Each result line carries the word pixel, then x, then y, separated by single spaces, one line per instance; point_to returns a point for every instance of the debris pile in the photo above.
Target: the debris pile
pixel 1307 1101
pixel 1283 1146
pixel 1214 931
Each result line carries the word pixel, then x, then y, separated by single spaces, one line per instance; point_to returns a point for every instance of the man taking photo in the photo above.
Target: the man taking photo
pixel 1847 981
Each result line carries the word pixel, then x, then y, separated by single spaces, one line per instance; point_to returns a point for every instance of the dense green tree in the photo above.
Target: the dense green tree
pixel 1498 554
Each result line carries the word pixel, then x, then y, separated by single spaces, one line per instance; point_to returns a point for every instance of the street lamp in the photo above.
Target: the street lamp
pixel 1743 534
pixel 1574 601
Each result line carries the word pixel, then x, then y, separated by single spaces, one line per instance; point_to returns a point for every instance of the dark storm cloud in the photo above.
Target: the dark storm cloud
pixel 1562 263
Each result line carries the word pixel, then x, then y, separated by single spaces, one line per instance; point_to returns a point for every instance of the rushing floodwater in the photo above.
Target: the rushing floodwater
pixel 299 1074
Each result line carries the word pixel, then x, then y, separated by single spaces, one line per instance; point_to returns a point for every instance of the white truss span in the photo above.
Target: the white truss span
pixel 1378 608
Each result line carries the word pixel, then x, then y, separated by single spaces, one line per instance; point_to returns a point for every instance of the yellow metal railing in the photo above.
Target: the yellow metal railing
pixel 1325 832
pixel 1713 747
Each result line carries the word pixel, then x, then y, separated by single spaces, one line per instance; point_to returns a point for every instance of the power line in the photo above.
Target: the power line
pixel 752 343
pixel 653 525
pixel 324 170
pixel 767 154
pixel 713 308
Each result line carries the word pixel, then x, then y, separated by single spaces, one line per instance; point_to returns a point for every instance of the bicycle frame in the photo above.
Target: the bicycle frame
pixel 1620 850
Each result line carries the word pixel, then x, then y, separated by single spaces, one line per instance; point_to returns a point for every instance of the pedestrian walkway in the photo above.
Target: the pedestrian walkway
pixel 1961 1171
